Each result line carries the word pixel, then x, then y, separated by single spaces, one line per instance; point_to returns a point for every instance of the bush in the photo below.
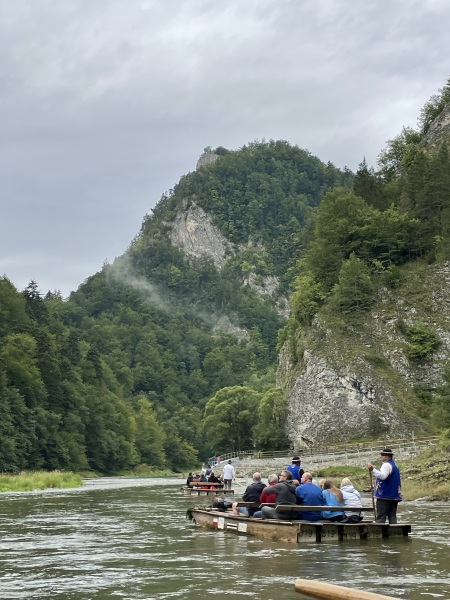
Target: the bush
pixel 423 340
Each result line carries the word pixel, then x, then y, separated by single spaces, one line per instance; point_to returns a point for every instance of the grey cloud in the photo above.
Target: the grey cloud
pixel 103 106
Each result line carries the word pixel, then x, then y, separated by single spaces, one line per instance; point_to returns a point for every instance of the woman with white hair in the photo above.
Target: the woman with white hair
pixel 351 498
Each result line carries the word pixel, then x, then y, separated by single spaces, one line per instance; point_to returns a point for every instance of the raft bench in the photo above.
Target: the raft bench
pixel 205 483
pixel 204 487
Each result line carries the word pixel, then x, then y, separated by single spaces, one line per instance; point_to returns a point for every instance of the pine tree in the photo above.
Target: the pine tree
pixel 355 288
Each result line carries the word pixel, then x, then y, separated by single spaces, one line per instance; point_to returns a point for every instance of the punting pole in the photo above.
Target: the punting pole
pixel 371 493
pixel 328 591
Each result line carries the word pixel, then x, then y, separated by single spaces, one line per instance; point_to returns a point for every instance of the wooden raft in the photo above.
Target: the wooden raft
pixel 204 488
pixel 295 530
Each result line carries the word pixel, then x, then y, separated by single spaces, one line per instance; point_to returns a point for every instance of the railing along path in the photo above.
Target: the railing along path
pixel 246 462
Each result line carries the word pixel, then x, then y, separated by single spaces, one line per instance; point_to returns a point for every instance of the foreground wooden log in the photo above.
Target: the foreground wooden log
pixel 328 591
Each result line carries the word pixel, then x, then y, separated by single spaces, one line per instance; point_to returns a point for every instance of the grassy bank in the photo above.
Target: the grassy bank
pixel 39 480
pixel 42 480
pixel 425 476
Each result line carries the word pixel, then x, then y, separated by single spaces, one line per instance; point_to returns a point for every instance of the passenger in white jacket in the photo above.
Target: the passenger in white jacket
pixel 351 498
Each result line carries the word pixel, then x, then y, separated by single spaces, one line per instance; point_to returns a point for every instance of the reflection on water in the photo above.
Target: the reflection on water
pixel 129 539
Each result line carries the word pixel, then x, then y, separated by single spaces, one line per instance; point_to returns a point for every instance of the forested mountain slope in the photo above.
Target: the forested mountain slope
pixel 119 375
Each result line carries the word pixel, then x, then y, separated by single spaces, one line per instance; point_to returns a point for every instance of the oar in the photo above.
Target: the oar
pixel 328 591
pixel 239 483
pixel 371 493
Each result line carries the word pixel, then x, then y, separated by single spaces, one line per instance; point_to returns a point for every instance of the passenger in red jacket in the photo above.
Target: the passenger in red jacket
pixel 265 497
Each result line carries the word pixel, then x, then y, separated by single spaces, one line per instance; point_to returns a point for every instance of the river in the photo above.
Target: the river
pixel 129 539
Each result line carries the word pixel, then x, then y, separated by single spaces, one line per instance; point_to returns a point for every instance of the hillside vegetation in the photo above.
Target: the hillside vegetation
pixel 163 359
pixel 119 375
pixel 369 299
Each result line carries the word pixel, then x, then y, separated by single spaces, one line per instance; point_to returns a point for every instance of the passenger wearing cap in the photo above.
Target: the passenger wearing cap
pixel 295 469
pixel 387 490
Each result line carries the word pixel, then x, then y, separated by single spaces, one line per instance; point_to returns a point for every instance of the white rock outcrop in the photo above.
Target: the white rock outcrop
pixel 194 232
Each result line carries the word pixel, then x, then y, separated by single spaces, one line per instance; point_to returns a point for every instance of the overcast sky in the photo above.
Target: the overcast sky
pixel 104 104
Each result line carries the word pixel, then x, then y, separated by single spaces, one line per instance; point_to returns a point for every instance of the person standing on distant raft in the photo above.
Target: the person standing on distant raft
pixel 228 475
pixel 387 487
pixel 295 469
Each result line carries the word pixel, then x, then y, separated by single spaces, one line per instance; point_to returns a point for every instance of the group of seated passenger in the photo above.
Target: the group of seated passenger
pixel 283 490
pixel 204 481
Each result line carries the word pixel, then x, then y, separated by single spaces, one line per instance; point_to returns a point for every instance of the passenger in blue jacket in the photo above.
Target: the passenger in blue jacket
pixel 332 496
pixel 387 489
pixel 309 494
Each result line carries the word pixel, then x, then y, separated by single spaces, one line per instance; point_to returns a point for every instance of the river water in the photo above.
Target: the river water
pixel 129 539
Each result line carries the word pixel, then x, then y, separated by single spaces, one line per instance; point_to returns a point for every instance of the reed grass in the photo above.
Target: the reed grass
pixel 39 480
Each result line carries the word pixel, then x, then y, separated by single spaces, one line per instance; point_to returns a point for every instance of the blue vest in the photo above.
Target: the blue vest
pixel 295 470
pixel 389 488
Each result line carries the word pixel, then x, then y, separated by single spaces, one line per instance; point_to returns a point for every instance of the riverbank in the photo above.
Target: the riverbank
pixel 27 481
pixel 425 476
pixel 39 480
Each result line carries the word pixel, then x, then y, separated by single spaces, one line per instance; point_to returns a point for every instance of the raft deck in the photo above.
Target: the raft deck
pixel 296 531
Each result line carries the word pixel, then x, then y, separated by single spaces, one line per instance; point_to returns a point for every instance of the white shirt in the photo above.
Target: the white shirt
pixel 228 471
pixel 384 471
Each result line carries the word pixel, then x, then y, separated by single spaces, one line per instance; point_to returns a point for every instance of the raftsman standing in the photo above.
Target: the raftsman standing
pixel 387 487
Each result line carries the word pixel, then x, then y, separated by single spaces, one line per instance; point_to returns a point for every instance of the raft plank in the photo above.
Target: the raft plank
pixel 206 491
pixel 328 591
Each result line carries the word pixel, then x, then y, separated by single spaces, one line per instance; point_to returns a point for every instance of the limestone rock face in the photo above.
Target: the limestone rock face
pixel 207 158
pixel 329 404
pixel 345 387
pixel 268 286
pixel 438 131
pixel 194 232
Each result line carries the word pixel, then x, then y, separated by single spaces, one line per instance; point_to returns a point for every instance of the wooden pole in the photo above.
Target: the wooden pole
pixel 328 591
pixel 371 493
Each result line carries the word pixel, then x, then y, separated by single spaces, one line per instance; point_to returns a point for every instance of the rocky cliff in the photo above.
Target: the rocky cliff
pixel 350 382
pixel 193 231
pixel 439 131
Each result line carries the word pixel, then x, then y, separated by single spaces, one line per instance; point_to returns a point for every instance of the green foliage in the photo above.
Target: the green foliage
pixel 305 299
pixel 265 192
pixel 269 431
pixel 376 360
pixel 150 435
pixel 423 339
pixel 391 159
pixel 393 276
pixel 444 440
pixel 433 107
pixel 230 418
pixel 354 290
pixel 369 186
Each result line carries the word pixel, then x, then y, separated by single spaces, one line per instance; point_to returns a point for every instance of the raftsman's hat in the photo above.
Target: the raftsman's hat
pixel 296 459
pixel 386 452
